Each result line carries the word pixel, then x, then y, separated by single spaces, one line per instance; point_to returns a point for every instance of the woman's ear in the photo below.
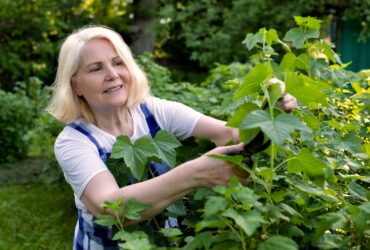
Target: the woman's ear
pixel 74 86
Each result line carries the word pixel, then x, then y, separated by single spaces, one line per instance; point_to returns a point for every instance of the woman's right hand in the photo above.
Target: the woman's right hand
pixel 210 172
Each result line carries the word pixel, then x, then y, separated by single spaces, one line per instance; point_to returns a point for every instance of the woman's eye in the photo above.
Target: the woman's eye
pixel 94 69
pixel 118 63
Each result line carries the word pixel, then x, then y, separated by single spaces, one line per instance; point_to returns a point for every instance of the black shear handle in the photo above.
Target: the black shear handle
pixel 251 147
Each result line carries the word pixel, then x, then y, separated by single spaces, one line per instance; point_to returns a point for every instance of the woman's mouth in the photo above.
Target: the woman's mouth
pixel 113 89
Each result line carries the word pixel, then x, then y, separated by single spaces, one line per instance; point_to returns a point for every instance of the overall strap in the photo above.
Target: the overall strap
pixel 104 155
pixel 150 120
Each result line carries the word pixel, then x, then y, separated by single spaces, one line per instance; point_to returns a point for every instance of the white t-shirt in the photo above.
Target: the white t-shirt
pixel 79 158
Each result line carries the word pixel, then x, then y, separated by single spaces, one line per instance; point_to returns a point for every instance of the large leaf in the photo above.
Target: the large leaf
pixel 253 81
pixel 241 113
pixel 288 63
pixel 132 209
pixel 277 130
pixel 177 208
pixel 166 144
pixel 215 204
pixel 251 40
pixel 278 242
pixel 329 221
pixel 306 90
pixel 133 240
pixel 106 220
pixel 349 142
pixel 298 36
pixel 135 155
pixel 248 221
pixel 310 165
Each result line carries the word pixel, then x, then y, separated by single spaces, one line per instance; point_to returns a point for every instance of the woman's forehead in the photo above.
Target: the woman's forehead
pixel 97 50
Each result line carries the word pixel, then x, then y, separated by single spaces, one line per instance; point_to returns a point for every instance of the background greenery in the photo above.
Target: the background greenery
pixel 196 49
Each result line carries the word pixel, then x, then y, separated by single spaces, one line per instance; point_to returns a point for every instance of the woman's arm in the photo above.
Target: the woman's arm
pixel 215 130
pixel 162 191
pixel 220 134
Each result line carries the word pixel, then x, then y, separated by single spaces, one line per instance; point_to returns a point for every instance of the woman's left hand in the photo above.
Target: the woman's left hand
pixel 288 102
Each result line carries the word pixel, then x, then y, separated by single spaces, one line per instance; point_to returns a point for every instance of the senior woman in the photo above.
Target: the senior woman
pixel 101 93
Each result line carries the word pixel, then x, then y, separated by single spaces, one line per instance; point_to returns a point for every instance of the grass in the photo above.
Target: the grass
pixel 34 215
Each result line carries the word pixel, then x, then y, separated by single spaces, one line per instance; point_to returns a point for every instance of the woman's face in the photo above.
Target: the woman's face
pixel 102 78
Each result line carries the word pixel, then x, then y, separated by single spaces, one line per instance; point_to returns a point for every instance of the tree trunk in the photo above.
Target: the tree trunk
pixel 142 31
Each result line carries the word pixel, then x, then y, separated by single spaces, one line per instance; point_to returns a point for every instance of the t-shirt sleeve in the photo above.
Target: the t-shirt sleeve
pixel 78 158
pixel 175 117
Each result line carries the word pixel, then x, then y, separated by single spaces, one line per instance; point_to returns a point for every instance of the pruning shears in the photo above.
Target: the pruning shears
pixel 253 146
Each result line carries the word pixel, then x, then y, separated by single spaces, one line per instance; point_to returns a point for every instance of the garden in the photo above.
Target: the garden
pixel 309 183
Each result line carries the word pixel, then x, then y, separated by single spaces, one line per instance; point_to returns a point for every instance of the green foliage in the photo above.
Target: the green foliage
pixel 210 31
pixel 161 147
pixel 32 31
pixel 17 113
pixel 310 188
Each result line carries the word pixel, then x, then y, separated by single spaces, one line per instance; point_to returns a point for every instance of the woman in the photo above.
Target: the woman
pixel 101 93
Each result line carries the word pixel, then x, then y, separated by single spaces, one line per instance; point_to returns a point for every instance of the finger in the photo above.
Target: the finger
pixel 281 83
pixel 240 173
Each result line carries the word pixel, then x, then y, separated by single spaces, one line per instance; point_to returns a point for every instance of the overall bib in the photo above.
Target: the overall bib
pixel 88 234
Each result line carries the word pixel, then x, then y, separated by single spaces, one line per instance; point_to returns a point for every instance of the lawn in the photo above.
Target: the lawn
pixel 33 214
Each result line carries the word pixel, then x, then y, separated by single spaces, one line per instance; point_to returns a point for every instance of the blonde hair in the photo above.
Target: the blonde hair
pixel 65 105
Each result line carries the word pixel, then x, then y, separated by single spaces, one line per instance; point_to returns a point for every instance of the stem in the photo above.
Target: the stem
pixel 269 184
pixel 280 164
pixel 271 110
pixel 236 233
pixel 120 223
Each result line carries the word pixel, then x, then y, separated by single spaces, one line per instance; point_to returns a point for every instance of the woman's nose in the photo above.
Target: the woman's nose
pixel 111 73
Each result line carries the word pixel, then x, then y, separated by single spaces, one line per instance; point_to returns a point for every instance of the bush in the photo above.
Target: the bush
pixel 20 113
pixel 16 120
pixel 309 189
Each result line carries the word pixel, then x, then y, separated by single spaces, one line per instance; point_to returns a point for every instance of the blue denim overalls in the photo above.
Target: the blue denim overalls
pixel 88 234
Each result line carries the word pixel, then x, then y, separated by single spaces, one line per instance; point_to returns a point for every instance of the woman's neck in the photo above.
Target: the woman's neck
pixel 116 123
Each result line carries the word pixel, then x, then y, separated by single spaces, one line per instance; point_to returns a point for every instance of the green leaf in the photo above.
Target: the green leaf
pixel 248 221
pixel 132 209
pixel 253 81
pixel 106 220
pixel 309 22
pixel 278 242
pixel 177 208
pixel 266 173
pixel 329 221
pixel 170 232
pixel 288 62
pixel 332 241
pixel 302 62
pixel 210 222
pixel 306 90
pixel 349 142
pixel 278 130
pixel 311 121
pixel 115 206
pixel 237 159
pixel 278 196
pixel 202 240
pixel 309 165
pixel 134 240
pixel 298 36
pixel 242 111
pixel 135 155
pixel 246 196
pixel 271 36
pixel 215 204
pixel 119 170
pixel 166 144
pixel 251 40
pixel 274 92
